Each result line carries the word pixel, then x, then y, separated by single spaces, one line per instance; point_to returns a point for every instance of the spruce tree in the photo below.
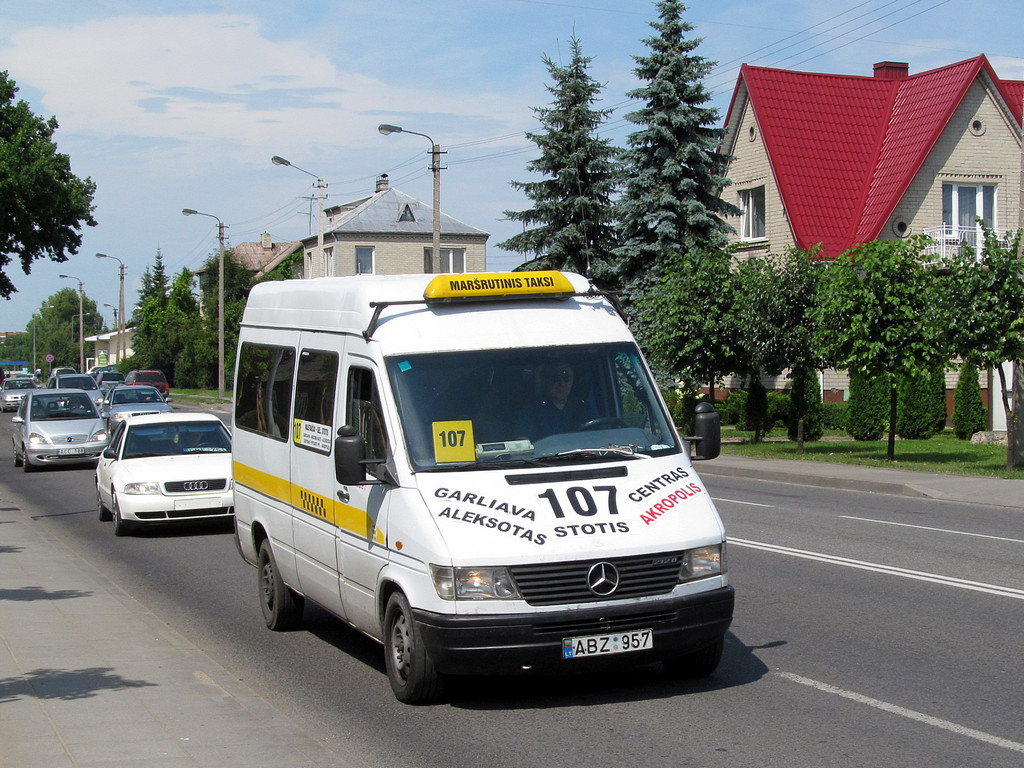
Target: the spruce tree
pixel 921 405
pixel 968 408
pixel 571 219
pixel 674 173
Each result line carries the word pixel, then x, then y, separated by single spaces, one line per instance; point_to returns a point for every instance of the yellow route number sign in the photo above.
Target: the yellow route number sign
pixel 453 441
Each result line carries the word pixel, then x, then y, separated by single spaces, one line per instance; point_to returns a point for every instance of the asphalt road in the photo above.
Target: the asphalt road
pixel 870 630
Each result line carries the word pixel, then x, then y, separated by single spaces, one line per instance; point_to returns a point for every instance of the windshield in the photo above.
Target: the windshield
pixel 529 406
pixel 123 395
pixel 19 384
pixel 176 439
pixel 70 405
pixel 77 382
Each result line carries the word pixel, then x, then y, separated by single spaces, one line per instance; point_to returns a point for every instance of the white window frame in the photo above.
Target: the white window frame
pixel 329 261
pixel 753 224
pixel 448 256
pixel 373 259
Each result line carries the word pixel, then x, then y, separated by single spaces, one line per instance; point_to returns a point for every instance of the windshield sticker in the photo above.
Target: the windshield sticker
pixel 405 366
pixel 453 441
pixel 309 434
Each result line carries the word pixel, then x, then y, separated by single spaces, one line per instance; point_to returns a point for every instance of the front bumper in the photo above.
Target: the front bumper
pixel 51 455
pixel 533 641
pixel 159 507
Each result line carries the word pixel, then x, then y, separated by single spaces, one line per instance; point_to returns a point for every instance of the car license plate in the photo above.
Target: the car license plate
pixel 601 645
pixel 70 451
pixel 194 503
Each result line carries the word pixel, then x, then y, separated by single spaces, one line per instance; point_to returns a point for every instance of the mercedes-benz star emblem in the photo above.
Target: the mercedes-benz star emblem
pixel 603 579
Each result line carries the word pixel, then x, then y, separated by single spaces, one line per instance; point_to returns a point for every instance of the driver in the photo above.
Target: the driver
pixel 559 409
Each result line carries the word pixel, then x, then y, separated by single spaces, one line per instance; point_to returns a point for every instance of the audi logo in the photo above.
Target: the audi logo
pixel 196 485
pixel 603 579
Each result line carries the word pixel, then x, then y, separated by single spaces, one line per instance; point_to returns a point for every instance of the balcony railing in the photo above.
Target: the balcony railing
pixel 951 242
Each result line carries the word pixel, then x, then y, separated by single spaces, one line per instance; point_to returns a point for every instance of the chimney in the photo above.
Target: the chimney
pixel 892 70
pixel 382 182
pixel 266 241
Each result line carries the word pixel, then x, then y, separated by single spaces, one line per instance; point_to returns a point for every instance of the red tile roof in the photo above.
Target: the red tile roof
pixel 845 148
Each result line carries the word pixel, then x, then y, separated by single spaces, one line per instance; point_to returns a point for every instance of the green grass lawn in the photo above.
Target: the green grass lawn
pixel 942 453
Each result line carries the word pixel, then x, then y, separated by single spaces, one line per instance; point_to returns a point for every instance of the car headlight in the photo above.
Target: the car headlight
pixel 142 489
pixel 702 562
pixel 100 435
pixel 474 583
pixel 37 438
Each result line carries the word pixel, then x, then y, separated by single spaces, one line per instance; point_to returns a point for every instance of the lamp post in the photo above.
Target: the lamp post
pixel 320 187
pixel 119 312
pixel 81 333
pixel 116 328
pixel 435 167
pixel 220 297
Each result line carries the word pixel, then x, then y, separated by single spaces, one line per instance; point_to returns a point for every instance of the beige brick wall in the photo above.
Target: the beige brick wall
pixel 396 255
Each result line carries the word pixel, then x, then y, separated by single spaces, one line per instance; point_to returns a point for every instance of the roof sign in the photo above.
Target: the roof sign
pixel 498 285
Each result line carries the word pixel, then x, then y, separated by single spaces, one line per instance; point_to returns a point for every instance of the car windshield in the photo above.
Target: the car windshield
pixel 176 439
pixel 131 395
pixel 78 381
pixel 71 405
pixel 529 406
pixel 19 384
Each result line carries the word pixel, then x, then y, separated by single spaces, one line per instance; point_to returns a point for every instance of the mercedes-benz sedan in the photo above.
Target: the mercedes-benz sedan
pixel 57 426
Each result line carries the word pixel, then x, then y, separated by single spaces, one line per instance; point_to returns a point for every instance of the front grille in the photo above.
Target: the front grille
pixel 559 583
pixel 196 486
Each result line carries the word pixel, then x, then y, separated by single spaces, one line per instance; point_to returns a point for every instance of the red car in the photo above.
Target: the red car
pixel 150 378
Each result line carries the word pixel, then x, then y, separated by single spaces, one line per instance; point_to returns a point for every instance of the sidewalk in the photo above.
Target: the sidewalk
pixel 89 677
pixel 962 488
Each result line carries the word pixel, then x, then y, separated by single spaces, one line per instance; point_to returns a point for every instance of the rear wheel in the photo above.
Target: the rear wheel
pixel 412 674
pixel 697 664
pixel 282 606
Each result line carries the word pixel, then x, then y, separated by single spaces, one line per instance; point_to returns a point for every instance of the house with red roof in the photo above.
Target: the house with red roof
pixel 837 160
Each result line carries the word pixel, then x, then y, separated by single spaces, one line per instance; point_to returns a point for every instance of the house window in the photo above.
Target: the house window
pixel 364 259
pixel 329 261
pixel 963 204
pixel 752 219
pixel 407 214
pixel 453 260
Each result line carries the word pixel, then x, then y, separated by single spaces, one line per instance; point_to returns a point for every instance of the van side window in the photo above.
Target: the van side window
pixel 263 395
pixel 365 413
pixel 314 397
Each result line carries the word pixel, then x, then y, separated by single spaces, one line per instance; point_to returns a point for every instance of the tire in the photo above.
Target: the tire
pixel 101 508
pixel 17 458
pixel 282 606
pixel 121 527
pixel 412 674
pixel 695 665
pixel 28 466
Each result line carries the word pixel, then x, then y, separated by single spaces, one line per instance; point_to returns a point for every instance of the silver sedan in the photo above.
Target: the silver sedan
pixel 57 426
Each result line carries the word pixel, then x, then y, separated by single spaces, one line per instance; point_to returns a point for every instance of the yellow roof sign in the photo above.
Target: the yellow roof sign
pixel 497 285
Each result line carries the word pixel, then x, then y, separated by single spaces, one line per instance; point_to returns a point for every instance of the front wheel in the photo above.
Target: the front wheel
pixel 412 674
pixel 695 665
pixel 282 607
pixel 101 508
pixel 121 526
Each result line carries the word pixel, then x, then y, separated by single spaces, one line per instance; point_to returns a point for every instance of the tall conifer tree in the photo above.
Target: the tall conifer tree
pixel 571 219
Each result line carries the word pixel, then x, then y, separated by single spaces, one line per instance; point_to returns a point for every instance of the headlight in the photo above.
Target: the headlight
pixel 142 489
pixel 474 583
pixel 701 563
pixel 100 435
pixel 36 438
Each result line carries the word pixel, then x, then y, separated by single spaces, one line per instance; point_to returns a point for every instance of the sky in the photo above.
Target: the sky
pixel 179 105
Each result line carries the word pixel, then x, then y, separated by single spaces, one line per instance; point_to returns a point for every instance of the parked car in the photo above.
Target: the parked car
pixel 167 466
pixel 76 381
pixel 152 378
pixel 57 426
pixel 12 391
pixel 122 400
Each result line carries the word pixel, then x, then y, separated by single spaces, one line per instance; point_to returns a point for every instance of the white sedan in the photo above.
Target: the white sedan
pixel 166 466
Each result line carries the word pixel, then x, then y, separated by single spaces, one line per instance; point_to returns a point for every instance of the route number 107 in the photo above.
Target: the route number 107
pixel 585 502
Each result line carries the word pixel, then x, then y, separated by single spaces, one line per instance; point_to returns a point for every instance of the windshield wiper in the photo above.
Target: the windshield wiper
pixel 609 452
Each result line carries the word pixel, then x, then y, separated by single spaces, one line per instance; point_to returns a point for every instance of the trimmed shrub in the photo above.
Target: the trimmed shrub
pixel 778 411
pixel 921 405
pixel 969 414
pixel 755 414
pixel 732 407
pixel 834 415
pixel 868 417
pixel 806 389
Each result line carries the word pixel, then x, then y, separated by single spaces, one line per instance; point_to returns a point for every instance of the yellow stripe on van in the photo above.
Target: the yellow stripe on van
pixel 334 512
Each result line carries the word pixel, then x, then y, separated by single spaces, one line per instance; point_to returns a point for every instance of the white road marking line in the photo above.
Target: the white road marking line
pixel 748 503
pixel 929 528
pixel 960 730
pixel 935 578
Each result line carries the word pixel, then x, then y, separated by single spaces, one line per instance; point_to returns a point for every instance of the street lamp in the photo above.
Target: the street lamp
pixel 116 327
pixel 220 297
pixel 81 334
pixel 118 313
pixel 320 187
pixel 435 167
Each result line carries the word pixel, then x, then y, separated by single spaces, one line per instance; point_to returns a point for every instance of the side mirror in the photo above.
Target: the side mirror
pixel 707 426
pixel 109 453
pixel 349 452
pixel 168 399
pixel 17 419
